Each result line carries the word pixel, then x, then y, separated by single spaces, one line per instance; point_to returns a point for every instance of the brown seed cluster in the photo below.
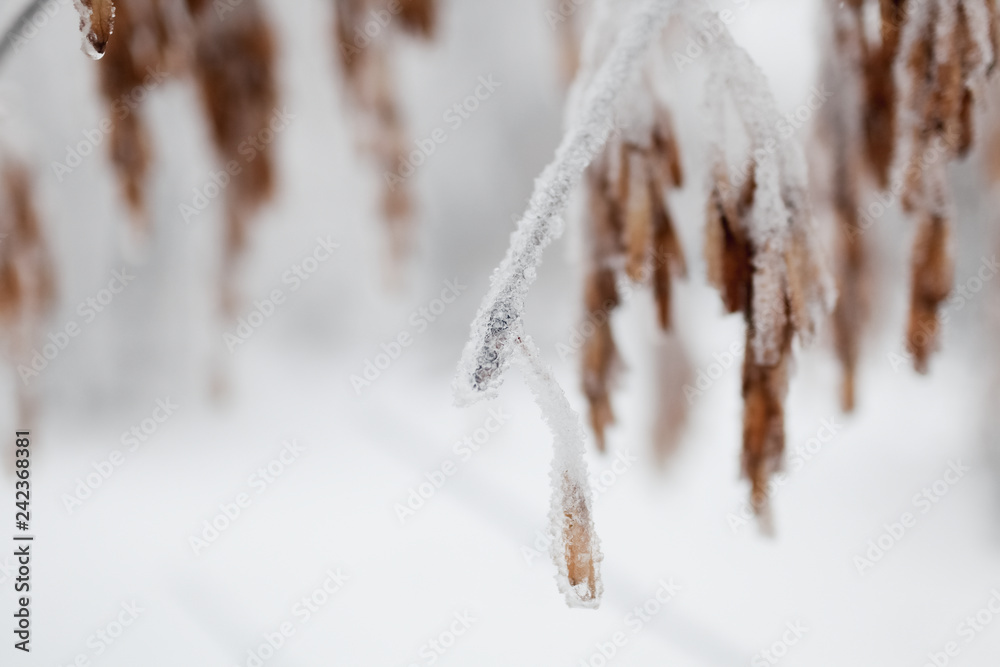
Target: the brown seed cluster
pixel 775 280
pixel 730 255
pixel 918 84
pixel 856 129
pixel 941 63
pixel 26 275
pixel 879 84
pixel 366 65
pixel 633 234
pixel 142 49
pixel 234 63
pixel 27 279
pixel 418 16
pixel 231 55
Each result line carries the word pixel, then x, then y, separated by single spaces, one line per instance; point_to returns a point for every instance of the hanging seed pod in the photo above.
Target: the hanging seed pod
pixel 847 131
pixel 26 275
pixel 27 280
pixel 631 235
pixel 97 22
pixel 932 275
pixel 368 81
pixel 727 249
pixel 418 16
pixel 732 268
pixel 600 356
pixel 638 213
pixel 880 91
pixel 136 62
pixel 234 66
pixel 765 262
pixel 764 389
pixel 951 49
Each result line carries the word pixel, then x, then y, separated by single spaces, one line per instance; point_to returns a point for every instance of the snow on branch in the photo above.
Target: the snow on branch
pixel 488 352
pixel 575 547
pixel 761 249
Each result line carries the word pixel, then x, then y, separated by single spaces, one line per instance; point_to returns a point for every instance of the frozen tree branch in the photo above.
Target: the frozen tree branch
pixel 487 354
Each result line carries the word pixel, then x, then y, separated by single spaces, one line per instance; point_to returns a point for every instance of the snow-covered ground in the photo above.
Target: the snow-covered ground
pixel 321 559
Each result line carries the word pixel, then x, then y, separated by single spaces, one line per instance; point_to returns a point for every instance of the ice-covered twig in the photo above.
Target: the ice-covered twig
pixel 575 547
pixel 488 352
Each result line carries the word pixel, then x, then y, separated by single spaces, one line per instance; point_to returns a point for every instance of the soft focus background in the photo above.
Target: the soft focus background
pixel 475 547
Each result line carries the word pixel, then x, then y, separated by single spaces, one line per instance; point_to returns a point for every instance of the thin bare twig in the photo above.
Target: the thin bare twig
pixel 10 35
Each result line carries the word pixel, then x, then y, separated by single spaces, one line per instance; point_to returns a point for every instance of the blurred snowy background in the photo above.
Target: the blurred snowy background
pixel 320 561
